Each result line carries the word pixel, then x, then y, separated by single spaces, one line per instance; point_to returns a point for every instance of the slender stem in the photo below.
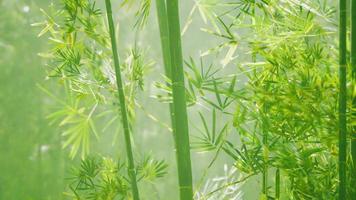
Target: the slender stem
pixel 278 184
pixel 164 35
pixel 179 103
pixel 353 81
pixel 342 101
pixel 125 122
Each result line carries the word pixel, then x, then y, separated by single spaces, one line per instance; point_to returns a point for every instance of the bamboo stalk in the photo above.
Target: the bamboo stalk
pixel 179 103
pixel 123 108
pixel 342 100
pixel 164 36
pixel 278 184
pixel 353 79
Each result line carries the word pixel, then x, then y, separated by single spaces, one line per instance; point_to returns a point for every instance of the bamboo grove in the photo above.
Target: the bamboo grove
pixel 261 89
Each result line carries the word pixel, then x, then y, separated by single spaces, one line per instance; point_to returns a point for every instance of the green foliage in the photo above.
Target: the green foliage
pixel 77 122
pixel 80 60
pixel 98 179
pixel 269 82
pixel 296 84
pixel 74 31
pixel 213 139
pixel 102 178
pixel 143 13
pixel 151 169
pixel 289 94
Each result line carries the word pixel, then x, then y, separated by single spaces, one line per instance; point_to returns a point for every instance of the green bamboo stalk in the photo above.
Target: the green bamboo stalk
pixel 164 36
pixel 278 184
pixel 123 108
pixel 353 78
pixel 342 100
pixel 179 103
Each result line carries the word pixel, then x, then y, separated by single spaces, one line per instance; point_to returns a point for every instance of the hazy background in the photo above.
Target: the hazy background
pixel 31 162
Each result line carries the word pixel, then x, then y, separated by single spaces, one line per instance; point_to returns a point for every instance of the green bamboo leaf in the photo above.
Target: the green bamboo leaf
pixel 151 169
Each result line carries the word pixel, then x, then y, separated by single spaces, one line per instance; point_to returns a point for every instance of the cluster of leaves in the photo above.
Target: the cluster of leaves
pixel 81 60
pixel 104 179
pixel 292 101
pixel 99 179
pixel 205 86
pixel 285 114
